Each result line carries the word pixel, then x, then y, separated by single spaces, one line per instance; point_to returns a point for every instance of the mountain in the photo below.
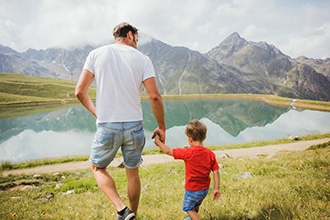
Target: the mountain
pixel 54 62
pixel 183 71
pixel 234 66
pixel 319 65
pixel 274 71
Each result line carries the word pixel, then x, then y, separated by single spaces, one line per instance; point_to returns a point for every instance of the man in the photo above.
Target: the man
pixel 119 71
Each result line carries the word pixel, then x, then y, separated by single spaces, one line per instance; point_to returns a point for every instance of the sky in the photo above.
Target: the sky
pixel 296 27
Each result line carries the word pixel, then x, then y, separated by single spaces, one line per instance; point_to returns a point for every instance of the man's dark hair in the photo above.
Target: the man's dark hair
pixel 121 30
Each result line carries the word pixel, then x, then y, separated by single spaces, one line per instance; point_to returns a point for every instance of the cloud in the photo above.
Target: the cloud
pixel 252 31
pixel 295 27
pixel 315 43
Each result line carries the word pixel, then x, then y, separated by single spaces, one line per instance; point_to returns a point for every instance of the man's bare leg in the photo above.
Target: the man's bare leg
pixel 108 187
pixel 133 188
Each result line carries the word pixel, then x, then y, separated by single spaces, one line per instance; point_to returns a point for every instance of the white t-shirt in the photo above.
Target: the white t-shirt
pixel 119 71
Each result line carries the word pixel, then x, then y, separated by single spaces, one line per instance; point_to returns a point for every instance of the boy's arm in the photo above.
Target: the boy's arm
pixel 162 146
pixel 216 180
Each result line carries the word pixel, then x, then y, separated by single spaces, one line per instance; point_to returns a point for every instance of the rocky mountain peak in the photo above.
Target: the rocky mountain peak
pixel 228 47
pixel 233 42
pixel 234 38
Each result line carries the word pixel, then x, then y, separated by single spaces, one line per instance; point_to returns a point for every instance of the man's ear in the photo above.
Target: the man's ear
pixel 129 35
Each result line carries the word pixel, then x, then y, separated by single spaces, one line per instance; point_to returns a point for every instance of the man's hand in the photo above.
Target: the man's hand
pixel 159 132
pixel 162 146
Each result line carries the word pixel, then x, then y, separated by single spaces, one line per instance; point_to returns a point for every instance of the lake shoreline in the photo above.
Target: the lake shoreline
pixel 270 99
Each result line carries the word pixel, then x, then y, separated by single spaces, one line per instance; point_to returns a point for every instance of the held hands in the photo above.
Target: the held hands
pixel 162 146
pixel 160 133
pixel 157 140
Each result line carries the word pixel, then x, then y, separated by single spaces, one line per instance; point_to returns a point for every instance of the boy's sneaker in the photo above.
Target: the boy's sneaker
pixel 128 215
pixel 187 218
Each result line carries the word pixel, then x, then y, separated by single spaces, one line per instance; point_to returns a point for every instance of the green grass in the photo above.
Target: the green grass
pixel 292 185
pixel 20 111
pixel 20 89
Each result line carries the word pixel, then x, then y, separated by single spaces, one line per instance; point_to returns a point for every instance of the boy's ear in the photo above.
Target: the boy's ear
pixel 190 140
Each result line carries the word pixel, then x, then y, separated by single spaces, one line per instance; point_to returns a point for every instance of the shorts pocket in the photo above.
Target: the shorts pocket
pixel 138 137
pixel 103 138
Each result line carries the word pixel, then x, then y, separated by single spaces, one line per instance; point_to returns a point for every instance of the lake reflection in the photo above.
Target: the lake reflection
pixel 70 131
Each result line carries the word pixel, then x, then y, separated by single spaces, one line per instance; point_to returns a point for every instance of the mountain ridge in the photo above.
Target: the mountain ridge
pixel 234 66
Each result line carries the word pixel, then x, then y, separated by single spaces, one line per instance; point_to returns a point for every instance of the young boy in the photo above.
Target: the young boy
pixel 199 162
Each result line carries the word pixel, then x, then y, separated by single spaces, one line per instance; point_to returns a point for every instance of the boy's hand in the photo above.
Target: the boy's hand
pixel 162 146
pixel 216 194
pixel 157 139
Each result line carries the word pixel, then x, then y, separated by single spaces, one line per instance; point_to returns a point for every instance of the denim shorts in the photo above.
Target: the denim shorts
pixel 193 199
pixel 109 137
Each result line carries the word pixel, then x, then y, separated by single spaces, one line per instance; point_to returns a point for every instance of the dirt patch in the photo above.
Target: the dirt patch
pixel 22 187
pixel 19 185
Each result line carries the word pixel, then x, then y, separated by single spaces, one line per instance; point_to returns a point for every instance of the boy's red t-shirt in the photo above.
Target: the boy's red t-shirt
pixel 199 162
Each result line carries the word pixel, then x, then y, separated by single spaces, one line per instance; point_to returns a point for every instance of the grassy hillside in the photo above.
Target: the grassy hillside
pixel 286 186
pixel 22 89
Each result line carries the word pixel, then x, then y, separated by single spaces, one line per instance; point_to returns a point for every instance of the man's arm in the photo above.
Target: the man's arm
pixel 157 107
pixel 81 92
pixel 216 180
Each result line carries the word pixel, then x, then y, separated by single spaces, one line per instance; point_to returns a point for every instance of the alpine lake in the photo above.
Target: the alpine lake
pixel 69 130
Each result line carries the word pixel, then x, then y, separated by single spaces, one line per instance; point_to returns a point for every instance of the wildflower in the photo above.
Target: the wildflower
pixel 14 214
